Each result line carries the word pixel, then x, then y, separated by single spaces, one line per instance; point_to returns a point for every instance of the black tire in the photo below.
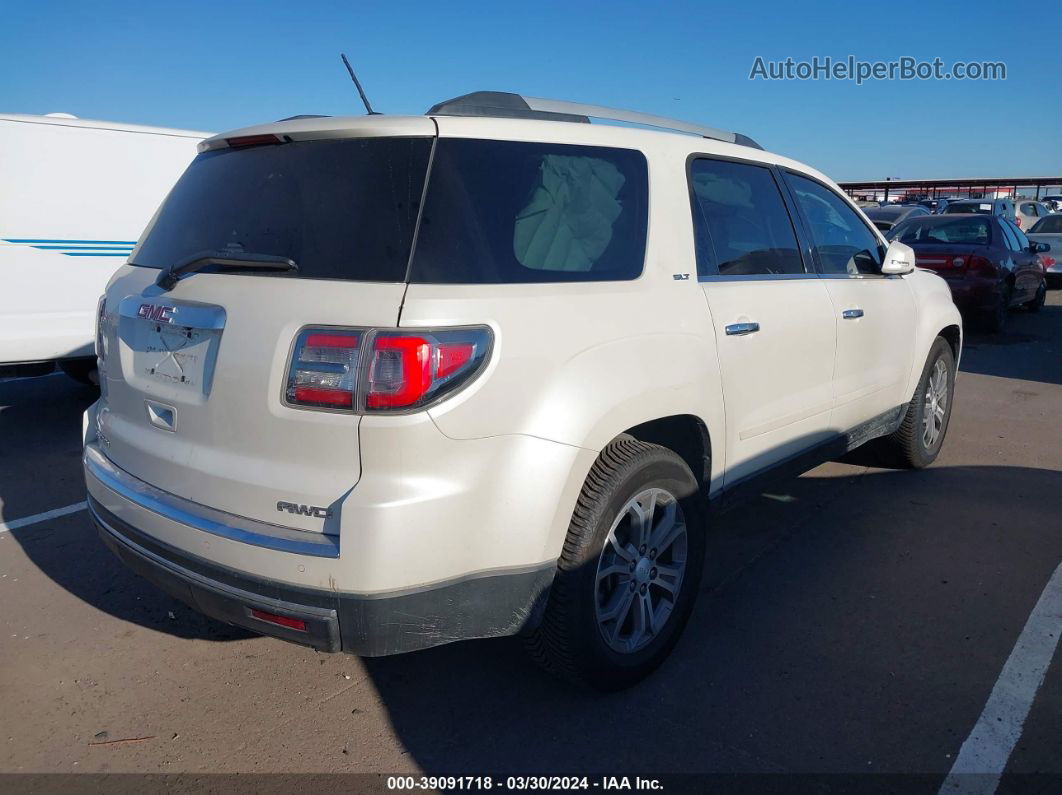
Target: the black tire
pixel 996 318
pixel 909 440
pixel 81 370
pixel 569 641
pixel 1037 303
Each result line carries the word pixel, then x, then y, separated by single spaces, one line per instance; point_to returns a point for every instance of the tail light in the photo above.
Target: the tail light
pixel 101 337
pixel 377 370
pixel 1047 262
pixel 1017 220
pixel 981 265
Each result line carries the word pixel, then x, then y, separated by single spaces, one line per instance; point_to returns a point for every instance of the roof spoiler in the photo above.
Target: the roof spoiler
pixel 505 105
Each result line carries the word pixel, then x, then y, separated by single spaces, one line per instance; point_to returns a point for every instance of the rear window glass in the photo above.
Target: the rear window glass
pixel 516 212
pixel 972 231
pixel 341 209
pixel 980 208
pixel 1051 225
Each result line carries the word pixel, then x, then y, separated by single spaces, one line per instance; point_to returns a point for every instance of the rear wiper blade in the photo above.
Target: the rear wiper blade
pixel 168 278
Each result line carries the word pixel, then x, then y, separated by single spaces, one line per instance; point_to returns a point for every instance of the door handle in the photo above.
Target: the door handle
pixel 741 329
pixel 852 314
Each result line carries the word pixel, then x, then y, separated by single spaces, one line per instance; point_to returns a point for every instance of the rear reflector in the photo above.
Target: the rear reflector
pixel 400 371
pixel 280 621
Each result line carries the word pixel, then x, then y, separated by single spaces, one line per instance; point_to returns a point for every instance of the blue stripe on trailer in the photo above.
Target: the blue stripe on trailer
pixel 84 248
pixel 96 253
pixel 36 240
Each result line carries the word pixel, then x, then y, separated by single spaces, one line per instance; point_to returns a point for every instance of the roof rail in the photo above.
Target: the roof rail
pixel 516 106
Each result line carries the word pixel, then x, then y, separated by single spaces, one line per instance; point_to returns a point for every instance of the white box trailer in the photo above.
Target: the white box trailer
pixel 75 195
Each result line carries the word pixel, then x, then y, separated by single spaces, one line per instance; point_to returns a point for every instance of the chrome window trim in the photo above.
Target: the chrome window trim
pixel 757 277
pixel 200 517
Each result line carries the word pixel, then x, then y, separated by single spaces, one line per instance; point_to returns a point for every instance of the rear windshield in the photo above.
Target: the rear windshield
pixel 341 209
pixel 979 208
pixel 971 231
pixel 495 212
pixel 1051 224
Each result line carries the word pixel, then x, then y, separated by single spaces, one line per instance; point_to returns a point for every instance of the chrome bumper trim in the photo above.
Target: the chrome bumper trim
pixel 200 517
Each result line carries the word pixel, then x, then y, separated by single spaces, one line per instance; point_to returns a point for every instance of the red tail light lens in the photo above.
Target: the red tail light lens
pixel 982 265
pixel 400 371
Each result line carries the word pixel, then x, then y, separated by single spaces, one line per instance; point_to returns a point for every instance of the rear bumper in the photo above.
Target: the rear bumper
pixel 380 624
pixel 974 294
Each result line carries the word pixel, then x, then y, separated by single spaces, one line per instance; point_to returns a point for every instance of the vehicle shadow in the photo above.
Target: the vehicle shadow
pixel 40 444
pixel 898 597
pixel 1008 355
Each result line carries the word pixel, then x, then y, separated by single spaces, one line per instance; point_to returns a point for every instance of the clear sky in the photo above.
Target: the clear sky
pixel 224 64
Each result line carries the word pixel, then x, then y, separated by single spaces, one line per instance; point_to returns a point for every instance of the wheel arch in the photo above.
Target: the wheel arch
pixel 685 434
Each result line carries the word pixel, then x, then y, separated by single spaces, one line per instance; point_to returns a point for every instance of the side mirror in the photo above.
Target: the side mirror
pixel 899 259
pixel 1038 248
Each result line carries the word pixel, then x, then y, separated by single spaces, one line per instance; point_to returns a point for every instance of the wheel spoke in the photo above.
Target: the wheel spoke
pixel 619 604
pixel 624 553
pixel 668 578
pixel 938 413
pixel 638 625
pixel 650 614
pixel 616 567
pixel 642 518
pixel 670 529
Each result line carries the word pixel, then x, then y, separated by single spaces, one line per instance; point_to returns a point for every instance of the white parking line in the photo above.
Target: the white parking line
pixel 983 757
pixel 41 517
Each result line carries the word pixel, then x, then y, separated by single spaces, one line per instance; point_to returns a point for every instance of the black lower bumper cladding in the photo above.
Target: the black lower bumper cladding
pixel 368 625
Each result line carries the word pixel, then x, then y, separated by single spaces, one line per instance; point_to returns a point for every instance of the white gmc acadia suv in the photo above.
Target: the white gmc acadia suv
pixel 376 384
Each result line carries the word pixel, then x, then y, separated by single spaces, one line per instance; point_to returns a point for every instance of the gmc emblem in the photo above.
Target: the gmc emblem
pixel 156 312
pixel 305 510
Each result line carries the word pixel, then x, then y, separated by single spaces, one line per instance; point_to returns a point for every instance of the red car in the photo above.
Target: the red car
pixel 989 263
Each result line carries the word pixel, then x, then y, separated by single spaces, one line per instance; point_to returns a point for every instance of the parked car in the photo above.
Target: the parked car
pixel 376 384
pixel 999 207
pixel 1053 202
pixel 75 197
pixel 885 218
pixel 937 205
pixel 1027 213
pixel 1048 232
pixel 988 262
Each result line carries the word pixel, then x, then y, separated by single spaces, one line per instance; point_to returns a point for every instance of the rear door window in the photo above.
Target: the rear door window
pixel 516 212
pixel 341 209
pixel 740 222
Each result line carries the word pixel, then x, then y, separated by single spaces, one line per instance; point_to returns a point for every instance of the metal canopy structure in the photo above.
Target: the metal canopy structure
pixel 900 188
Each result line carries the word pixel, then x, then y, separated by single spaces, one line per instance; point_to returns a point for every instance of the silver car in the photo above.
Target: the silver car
pixel 1049 231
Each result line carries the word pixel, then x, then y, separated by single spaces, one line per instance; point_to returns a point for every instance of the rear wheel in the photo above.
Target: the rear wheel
pixel 1037 303
pixel 629 572
pixel 997 316
pixel 921 434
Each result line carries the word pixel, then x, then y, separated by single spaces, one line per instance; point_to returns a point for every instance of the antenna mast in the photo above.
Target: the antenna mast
pixel 361 91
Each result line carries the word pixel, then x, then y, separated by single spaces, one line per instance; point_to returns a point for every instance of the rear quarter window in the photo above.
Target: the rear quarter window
pixel 516 212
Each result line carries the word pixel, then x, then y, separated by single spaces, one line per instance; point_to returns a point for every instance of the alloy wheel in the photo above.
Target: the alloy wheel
pixel 640 570
pixel 935 405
